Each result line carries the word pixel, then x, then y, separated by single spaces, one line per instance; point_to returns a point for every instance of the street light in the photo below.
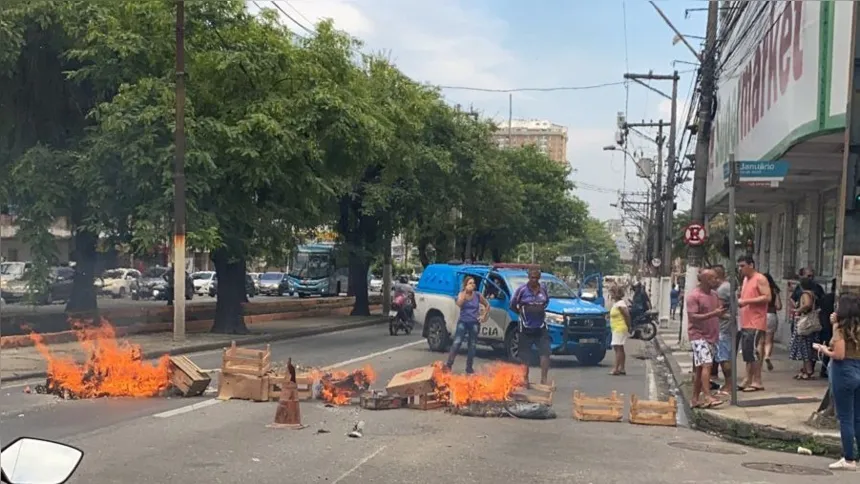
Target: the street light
pixel 642 171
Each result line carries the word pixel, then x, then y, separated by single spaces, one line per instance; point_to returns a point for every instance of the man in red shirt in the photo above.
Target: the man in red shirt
pixel 755 296
pixel 704 311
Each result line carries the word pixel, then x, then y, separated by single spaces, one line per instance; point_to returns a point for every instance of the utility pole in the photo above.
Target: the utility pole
pixel 179 182
pixel 510 120
pixel 703 143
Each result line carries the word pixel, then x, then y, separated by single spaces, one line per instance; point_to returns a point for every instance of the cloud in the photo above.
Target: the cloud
pixel 664 111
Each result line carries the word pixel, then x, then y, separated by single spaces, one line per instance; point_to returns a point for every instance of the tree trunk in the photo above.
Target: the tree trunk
pixel 229 313
pixel 422 253
pixel 358 267
pixel 83 297
pixel 386 276
pixel 497 255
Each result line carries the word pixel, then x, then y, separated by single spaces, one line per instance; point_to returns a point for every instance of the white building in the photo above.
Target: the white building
pixel 782 94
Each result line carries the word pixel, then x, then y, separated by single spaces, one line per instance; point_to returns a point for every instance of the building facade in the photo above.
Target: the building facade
pixel 782 95
pixel 549 138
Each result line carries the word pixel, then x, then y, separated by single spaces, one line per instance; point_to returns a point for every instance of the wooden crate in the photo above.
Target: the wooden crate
pixel 304 385
pixel 650 412
pixel 597 409
pixel 243 387
pixel 536 393
pixel 187 377
pixel 427 401
pixel 242 361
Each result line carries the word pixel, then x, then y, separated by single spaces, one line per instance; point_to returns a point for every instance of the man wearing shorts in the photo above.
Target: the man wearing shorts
pixel 755 297
pixel 703 312
pixel 724 345
pixel 530 301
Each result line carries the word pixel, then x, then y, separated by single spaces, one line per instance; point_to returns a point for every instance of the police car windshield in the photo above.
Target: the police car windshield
pixel 554 287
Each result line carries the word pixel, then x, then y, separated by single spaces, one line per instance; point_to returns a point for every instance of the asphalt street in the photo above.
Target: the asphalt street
pixel 203 440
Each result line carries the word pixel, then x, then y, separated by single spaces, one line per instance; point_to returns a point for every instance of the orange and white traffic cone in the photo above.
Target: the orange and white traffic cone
pixel 288 415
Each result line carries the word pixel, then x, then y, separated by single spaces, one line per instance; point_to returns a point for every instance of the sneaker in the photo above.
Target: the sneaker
pixel 843 465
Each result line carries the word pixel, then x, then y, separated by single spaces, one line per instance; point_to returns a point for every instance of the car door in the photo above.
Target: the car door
pixel 499 318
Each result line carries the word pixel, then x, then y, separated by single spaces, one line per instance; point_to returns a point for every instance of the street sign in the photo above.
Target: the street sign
pixel 758 173
pixel 564 259
pixel 695 235
pixel 655 262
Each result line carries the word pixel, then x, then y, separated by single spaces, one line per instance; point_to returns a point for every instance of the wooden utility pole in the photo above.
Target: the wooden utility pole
pixel 179 182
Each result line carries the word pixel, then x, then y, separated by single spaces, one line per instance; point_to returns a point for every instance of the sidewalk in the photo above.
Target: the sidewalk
pixel 774 418
pixel 25 363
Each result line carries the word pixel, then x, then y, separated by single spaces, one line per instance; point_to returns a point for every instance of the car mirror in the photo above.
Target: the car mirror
pixel 36 461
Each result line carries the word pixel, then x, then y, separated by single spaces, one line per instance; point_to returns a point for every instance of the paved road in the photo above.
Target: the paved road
pixel 159 440
pixel 109 303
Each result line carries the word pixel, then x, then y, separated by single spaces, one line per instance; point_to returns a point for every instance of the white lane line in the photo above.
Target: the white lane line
pixel 188 408
pixel 207 403
pixel 653 393
pixel 360 463
pixel 372 355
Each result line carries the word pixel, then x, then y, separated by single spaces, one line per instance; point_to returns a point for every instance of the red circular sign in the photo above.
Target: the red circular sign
pixel 695 235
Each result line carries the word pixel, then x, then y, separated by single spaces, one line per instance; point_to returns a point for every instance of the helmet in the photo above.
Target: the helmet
pixel 403 280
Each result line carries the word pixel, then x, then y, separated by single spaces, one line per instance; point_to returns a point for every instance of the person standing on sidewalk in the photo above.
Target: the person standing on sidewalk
pixel 755 297
pixel 773 309
pixel 469 301
pixel 844 354
pixel 826 306
pixel 703 313
pixel 801 346
pixel 724 345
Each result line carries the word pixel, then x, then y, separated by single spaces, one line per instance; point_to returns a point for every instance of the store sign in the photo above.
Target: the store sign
pixel 768 85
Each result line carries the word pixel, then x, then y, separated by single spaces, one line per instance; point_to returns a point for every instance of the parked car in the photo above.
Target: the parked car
pixel 116 282
pixel 575 327
pixel 275 284
pixel 60 280
pixel 375 284
pixel 11 271
pixel 203 282
pixel 250 287
pixel 154 283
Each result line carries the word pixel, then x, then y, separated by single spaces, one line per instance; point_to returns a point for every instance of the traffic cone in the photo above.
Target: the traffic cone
pixel 288 415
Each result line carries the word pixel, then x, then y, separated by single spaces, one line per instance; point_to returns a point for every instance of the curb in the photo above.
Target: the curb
pixel 265 338
pixel 677 379
pixel 747 433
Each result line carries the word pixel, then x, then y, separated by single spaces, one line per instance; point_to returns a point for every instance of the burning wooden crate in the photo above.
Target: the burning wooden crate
pixel 304 385
pixel 418 386
pixel 245 374
pixel 650 412
pixel 597 409
pixel 375 400
pixel 536 393
pixel 187 377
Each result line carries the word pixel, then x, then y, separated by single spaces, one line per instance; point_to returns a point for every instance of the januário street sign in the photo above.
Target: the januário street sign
pixel 564 258
pixel 695 235
pixel 757 173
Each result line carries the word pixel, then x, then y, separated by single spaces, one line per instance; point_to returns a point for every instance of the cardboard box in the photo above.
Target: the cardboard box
pixel 418 381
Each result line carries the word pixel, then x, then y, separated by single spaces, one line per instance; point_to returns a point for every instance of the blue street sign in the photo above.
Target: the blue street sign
pixel 759 171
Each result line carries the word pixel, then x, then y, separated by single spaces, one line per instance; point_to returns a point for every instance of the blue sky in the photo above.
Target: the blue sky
pixel 507 44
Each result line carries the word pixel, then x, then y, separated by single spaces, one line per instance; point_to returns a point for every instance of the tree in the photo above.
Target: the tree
pixel 593 250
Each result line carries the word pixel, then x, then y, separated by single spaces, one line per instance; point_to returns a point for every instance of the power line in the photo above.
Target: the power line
pixel 534 89
pixel 626 85
pixel 306 29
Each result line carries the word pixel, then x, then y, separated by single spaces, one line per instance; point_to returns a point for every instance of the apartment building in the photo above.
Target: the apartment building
pixel 549 138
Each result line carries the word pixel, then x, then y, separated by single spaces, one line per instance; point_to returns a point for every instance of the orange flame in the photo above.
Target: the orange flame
pixel 339 387
pixel 494 382
pixel 112 368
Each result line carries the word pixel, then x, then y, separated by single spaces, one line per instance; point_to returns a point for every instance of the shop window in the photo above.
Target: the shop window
pixel 780 244
pixel 827 257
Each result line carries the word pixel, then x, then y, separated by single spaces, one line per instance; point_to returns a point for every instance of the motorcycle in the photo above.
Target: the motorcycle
pixel 396 322
pixel 37 461
pixel 645 325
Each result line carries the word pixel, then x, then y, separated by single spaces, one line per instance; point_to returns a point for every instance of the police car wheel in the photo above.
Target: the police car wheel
pixel 512 345
pixel 591 357
pixel 437 334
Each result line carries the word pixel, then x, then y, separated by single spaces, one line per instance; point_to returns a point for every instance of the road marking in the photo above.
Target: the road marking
pixel 208 403
pixel 652 381
pixel 188 408
pixel 360 463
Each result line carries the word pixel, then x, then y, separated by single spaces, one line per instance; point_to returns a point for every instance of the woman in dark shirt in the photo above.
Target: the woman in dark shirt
pixel 826 304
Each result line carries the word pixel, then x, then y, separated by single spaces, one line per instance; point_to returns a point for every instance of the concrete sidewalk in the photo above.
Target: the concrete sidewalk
pixel 25 363
pixel 774 418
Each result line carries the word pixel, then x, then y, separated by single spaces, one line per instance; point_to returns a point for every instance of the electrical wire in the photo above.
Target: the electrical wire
pixel 626 89
pixel 292 19
pixel 533 89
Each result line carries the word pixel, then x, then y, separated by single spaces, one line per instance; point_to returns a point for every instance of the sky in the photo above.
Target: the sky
pixel 507 44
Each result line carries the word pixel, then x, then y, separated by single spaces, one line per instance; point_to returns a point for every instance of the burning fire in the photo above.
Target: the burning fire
pixel 339 387
pixel 112 368
pixel 494 382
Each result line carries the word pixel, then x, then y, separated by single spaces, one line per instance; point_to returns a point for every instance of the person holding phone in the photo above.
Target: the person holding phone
pixel 844 376
pixel 470 302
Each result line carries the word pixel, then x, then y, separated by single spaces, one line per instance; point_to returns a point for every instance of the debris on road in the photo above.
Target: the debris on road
pixel 377 400
pixel 357 431
pixel 523 410
pixel 597 409
pixel 187 378
pixel 647 412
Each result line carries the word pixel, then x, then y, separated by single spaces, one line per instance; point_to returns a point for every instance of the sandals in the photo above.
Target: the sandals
pixel 751 389
pixel 769 364
pixel 706 405
pixel 617 373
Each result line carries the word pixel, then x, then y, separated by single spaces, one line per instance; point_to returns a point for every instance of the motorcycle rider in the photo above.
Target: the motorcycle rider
pixel 404 300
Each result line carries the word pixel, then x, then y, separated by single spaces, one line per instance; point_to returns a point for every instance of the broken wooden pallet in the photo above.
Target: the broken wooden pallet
pixel 304 386
pixel 380 401
pixel 597 409
pixel 536 393
pixel 242 361
pixel 649 412
pixel 187 377
pixel 427 401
